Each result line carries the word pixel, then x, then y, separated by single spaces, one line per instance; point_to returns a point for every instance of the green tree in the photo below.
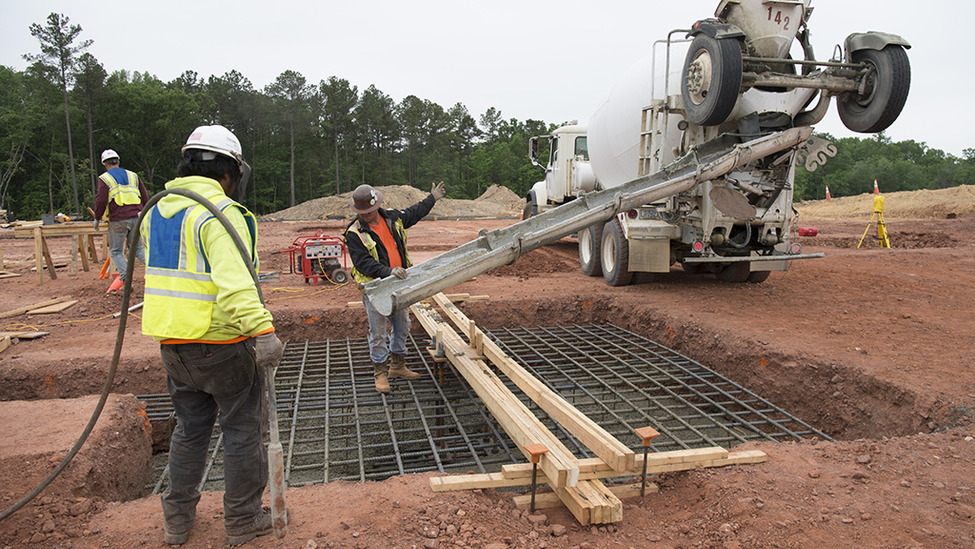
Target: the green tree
pixel 291 94
pixel 376 123
pixel 89 86
pixel 338 100
pixel 59 57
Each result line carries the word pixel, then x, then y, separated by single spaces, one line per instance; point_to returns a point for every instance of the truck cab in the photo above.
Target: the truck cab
pixel 567 171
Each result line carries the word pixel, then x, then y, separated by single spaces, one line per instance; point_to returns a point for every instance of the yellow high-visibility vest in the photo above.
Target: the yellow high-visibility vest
pixel 122 193
pixel 179 293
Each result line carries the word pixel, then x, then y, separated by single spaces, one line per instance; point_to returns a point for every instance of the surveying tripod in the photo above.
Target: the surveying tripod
pixel 878 214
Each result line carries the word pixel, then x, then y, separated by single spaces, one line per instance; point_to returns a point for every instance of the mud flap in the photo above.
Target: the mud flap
pixel 650 255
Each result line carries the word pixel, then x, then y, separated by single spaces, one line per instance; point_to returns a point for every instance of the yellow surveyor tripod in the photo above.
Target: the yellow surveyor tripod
pixel 878 214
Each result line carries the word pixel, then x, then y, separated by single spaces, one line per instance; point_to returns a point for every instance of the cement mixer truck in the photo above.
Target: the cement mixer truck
pixel 691 157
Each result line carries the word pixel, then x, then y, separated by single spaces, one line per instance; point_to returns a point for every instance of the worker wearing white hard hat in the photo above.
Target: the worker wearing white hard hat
pixel 216 337
pixel 119 199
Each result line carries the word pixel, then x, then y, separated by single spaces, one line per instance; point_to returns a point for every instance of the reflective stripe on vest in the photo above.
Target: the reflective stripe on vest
pixel 179 293
pixel 370 245
pixel 124 192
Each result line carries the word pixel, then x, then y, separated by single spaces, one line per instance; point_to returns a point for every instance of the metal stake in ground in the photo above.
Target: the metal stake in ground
pixel 535 451
pixel 646 434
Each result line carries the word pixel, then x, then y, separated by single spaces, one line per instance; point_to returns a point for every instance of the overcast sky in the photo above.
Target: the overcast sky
pixel 550 60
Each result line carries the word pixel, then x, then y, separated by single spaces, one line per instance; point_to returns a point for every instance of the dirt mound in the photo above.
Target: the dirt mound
pixel 497 201
pixel 924 204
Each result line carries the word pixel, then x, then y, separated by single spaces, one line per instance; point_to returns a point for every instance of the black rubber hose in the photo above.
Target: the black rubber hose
pixel 126 293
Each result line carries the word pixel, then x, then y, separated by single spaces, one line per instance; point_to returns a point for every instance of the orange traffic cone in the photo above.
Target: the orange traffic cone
pixel 876 190
pixel 827 193
pixel 116 284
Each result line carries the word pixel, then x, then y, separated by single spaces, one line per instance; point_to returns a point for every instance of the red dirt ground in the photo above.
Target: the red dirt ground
pixel 873 346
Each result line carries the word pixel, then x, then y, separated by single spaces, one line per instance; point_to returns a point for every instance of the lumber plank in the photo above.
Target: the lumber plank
pixel 453 483
pixel 598 440
pixel 520 424
pixel 23 310
pixel 4 343
pixel 549 500
pixel 56 308
pixel 706 458
pixel 12 334
pixel 39 255
pixel 6 274
pixel 32 335
pixel 47 257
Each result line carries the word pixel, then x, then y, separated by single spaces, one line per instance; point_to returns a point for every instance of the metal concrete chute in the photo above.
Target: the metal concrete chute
pixel 500 247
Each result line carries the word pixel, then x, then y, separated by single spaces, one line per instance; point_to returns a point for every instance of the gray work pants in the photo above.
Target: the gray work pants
pixel 210 382
pixel 118 233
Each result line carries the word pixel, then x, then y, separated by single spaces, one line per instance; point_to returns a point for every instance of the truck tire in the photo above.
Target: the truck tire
pixel 615 254
pixel 590 243
pixel 734 272
pixel 758 276
pixel 711 79
pixel 879 109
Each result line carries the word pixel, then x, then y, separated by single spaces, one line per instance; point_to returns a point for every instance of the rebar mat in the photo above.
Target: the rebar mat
pixel 335 426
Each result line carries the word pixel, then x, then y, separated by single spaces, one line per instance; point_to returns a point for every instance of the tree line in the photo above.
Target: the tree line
pixel 306 140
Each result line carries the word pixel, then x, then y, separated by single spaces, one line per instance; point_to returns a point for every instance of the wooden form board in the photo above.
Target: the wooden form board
pixel 588 500
pixel 612 452
pixel 56 308
pixel 548 500
pixel 520 424
pixel 662 462
pixel 22 310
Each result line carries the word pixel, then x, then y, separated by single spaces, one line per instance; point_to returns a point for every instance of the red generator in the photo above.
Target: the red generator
pixel 318 256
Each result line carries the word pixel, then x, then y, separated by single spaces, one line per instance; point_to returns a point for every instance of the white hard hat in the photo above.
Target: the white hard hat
pixel 217 139
pixel 108 153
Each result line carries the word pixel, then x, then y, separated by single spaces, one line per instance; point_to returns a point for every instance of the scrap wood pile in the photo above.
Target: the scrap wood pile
pixel 575 483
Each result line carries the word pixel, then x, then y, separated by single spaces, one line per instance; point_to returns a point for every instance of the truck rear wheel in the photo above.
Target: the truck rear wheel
pixel 735 272
pixel 711 79
pixel 758 276
pixel 615 255
pixel 590 241
pixel 891 79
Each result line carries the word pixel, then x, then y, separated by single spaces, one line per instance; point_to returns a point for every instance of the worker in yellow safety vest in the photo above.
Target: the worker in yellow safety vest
pixel 119 198
pixel 376 241
pixel 215 335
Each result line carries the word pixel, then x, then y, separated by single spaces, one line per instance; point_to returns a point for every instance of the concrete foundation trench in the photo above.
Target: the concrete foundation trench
pixel 335 426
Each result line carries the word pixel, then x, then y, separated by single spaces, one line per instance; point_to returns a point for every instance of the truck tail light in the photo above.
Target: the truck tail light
pixel 698 246
pixel 631 214
pixel 796 248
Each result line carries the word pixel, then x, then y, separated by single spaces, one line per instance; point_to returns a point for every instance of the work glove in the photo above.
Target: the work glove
pixel 268 350
pixel 94 224
pixel 438 190
pixel 398 272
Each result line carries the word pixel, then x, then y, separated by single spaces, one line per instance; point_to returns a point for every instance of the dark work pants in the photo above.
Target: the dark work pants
pixel 206 383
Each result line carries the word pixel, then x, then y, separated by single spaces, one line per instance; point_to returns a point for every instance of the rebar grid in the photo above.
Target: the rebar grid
pixel 335 426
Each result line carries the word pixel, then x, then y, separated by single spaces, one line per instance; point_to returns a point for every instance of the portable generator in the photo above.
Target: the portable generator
pixel 318 256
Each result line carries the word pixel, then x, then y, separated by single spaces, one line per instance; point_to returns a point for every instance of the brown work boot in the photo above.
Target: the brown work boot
pixel 399 368
pixel 381 372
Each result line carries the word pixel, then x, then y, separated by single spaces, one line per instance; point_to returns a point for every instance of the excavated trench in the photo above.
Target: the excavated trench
pixel 335 426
